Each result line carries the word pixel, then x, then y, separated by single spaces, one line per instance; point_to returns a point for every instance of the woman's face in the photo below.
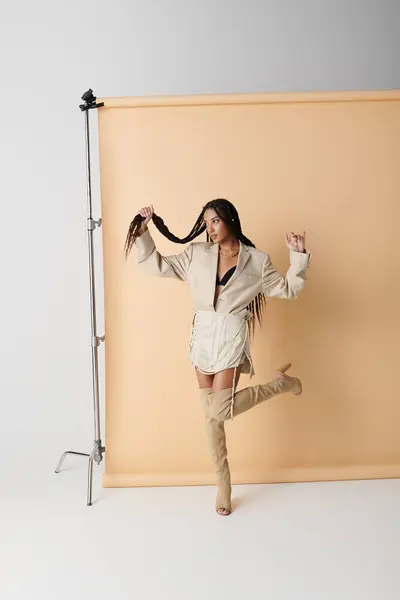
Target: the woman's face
pixel 216 228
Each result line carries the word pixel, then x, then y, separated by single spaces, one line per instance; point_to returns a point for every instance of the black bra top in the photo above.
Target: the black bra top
pixel 226 277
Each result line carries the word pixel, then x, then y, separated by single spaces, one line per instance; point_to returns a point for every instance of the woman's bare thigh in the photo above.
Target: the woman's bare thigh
pixel 224 379
pixel 204 381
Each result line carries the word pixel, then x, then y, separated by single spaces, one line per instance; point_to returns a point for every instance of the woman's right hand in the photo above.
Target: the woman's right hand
pixel 147 214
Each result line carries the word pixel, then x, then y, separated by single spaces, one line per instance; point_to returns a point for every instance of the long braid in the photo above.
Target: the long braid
pixel 228 213
pixel 134 227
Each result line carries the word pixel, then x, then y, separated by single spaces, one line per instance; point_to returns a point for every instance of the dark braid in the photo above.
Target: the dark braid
pixel 134 227
pixel 228 213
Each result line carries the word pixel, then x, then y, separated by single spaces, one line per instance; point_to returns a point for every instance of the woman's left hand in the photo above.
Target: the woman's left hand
pixel 296 242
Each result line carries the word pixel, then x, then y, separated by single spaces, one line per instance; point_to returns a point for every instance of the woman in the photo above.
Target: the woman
pixel 229 278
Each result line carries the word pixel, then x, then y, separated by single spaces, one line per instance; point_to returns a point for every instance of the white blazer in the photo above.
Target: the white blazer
pixel 219 335
pixel 197 265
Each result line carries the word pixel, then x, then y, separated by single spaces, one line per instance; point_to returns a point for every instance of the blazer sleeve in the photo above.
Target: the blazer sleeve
pixel 174 266
pixel 275 285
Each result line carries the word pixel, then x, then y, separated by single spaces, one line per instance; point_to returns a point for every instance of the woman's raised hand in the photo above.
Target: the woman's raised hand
pixel 296 242
pixel 147 213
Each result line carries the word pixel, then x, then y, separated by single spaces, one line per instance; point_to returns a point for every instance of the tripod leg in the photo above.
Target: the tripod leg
pixel 60 462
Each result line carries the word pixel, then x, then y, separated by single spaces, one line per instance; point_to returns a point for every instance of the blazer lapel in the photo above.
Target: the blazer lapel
pixel 212 269
pixel 212 262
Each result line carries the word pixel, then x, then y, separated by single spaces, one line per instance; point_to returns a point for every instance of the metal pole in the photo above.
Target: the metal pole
pixel 91 224
pixel 98 449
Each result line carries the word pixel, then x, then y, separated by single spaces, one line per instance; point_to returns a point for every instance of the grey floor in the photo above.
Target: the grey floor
pixel 324 541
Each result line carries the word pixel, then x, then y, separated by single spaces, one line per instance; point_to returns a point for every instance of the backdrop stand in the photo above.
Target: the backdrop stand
pixel 98 448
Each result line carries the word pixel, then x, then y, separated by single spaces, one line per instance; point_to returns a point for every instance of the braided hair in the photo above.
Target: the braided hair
pixel 228 213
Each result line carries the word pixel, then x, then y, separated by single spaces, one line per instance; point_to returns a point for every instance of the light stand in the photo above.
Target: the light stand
pixel 98 449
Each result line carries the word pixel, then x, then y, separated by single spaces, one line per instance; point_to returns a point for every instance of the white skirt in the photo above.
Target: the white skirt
pixel 219 341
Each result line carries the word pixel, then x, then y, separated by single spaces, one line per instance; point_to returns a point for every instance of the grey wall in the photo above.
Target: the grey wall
pixel 51 53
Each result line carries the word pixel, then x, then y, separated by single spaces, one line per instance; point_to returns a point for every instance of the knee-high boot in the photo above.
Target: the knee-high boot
pixel 217 445
pixel 227 403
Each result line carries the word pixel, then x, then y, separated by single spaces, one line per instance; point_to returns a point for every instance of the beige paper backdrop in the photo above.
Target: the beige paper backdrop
pixel 325 163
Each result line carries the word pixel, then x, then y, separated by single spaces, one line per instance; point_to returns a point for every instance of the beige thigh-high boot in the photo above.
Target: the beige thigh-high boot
pixel 224 404
pixel 217 444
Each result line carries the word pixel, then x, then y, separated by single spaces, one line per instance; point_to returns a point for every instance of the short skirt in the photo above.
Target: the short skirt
pixel 220 341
